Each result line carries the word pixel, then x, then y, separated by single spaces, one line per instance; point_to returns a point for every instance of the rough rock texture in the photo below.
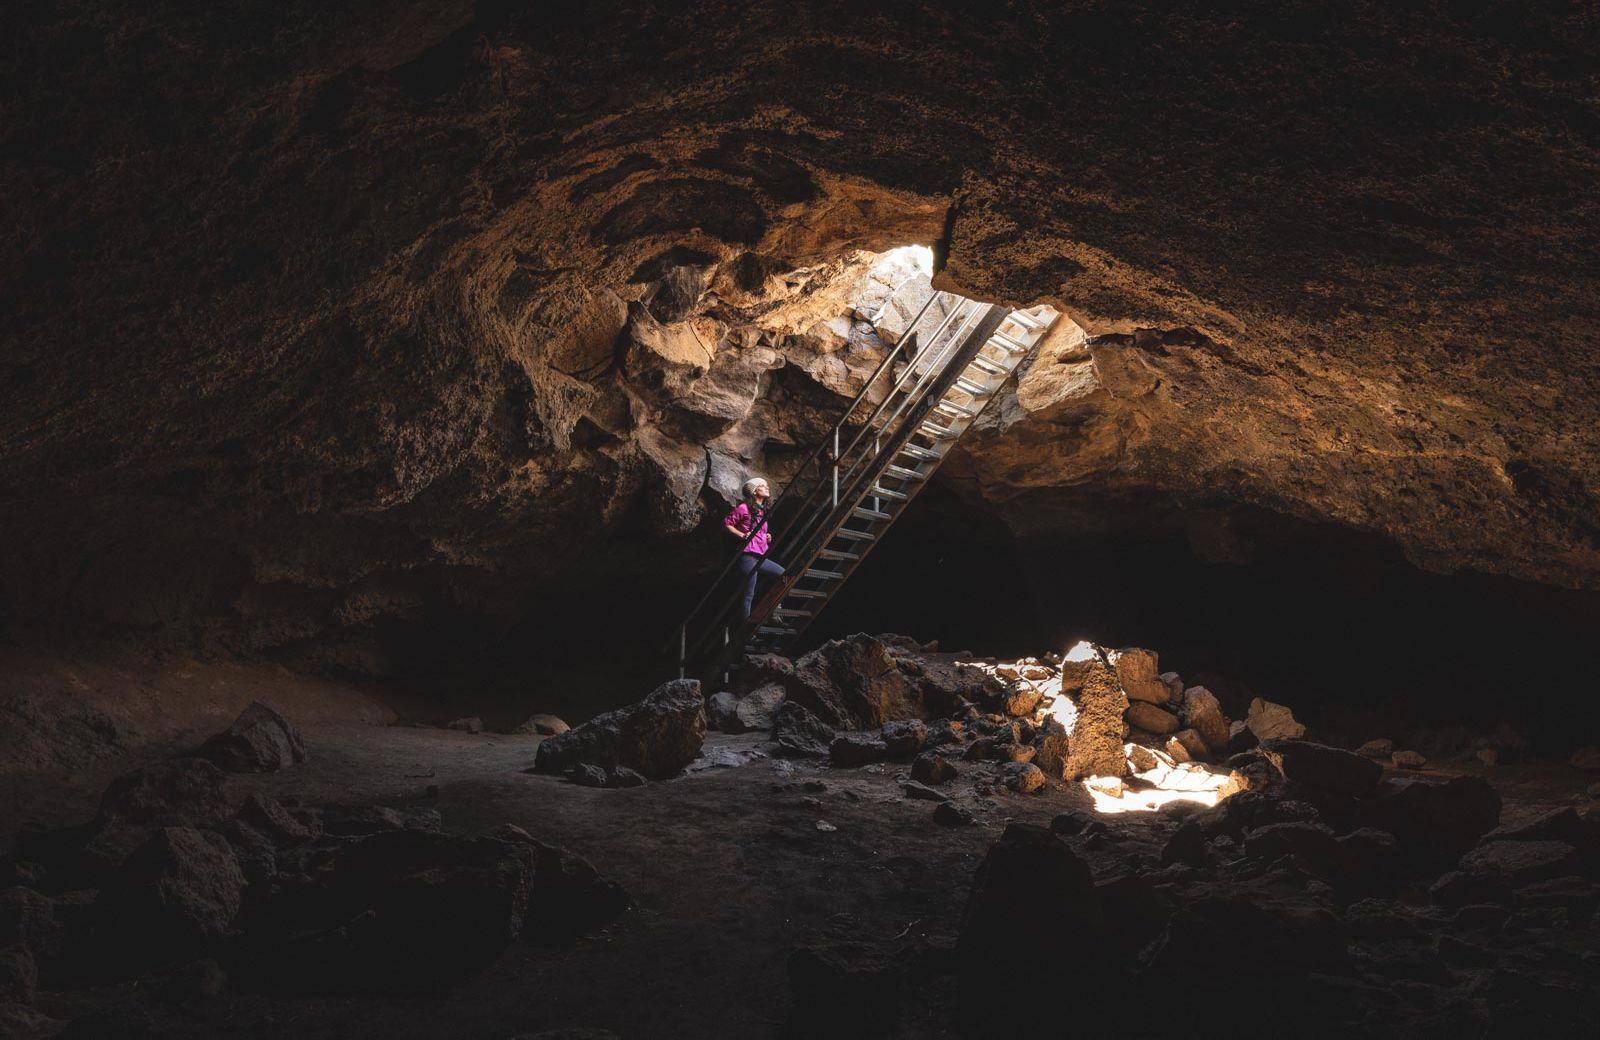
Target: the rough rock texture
pixel 657 737
pixel 260 740
pixel 1095 743
pixel 179 889
pixel 408 308
pixel 1138 671
pixel 796 731
pixel 854 683
pixel 1200 712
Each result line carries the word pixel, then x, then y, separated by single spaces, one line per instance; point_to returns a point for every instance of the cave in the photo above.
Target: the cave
pixel 1199 635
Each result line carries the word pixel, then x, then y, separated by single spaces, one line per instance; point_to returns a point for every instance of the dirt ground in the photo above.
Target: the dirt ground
pixel 727 867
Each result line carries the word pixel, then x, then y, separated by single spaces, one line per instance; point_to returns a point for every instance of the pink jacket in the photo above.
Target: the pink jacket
pixel 741 519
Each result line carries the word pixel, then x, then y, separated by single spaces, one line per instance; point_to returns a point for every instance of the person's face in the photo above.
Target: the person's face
pixel 762 494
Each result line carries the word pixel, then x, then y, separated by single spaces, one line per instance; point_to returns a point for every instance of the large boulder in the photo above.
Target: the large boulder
pixel 1201 712
pixel 183 887
pixel 1152 719
pixel 1032 919
pixel 1323 768
pixel 1051 747
pixel 1095 744
pixel 799 733
pixel 657 737
pixel 856 749
pixel 178 792
pixel 1523 861
pixel 755 710
pixel 1139 673
pixel 854 683
pixel 260 740
pixel 1269 721
pixel 1434 823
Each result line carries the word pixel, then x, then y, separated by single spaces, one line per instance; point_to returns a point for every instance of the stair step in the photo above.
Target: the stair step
pixel 812 572
pixel 1025 319
pixel 776 630
pixel 950 407
pixel 870 514
pixel 855 536
pixel 879 491
pixel 973 386
pixel 783 612
pixel 988 364
pixel 806 594
pixel 903 473
pixel 931 429
pixel 1000 339
pixel 838 554
pixel 916 451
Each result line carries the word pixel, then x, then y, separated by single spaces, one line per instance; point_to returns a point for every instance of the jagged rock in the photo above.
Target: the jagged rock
pixel 1269 721
pixel 467 724
pixel 1137 671
pixel 756 709
pixel 586 775
pixel 854 683
pixel 182 791
pixel 542 724
pixel 798 732
pixel 1152 719
pixel 1174 686
pixel 1564 824
pixel 1322 767
pixel 722 712
pixel 1313 844
pixel 662 361
pixel 1021 698
pixel 179 889
pixel 904 738
pixel 1022 777
pixel 255 853
pixel 1095 745
pixel 275 822
pixel 1460 888
pixel 1408 760
pixel 19 976
pixel 933 768
pixel 1015 752
pixel 1032 918
pixel 1240 738
pixel 1191 745
pixel 1523 861
pixel 657 737
pixel 1201 712
pixel 260 740
pixel 951 815
pixel 758 670
pixel 568 896
pixel 1110 786
pixel 1381 748
pixel 848 989
pixel 1051 749
pixel 856 749
pixel 1435 823
pixel 922 792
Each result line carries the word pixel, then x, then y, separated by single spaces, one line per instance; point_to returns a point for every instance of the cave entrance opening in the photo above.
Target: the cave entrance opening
pixel 948 359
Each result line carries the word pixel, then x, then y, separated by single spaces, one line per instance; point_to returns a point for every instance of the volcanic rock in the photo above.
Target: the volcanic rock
pixel 1269 721
pixel 1523 861
pixel 1032 915
pixel 1381 748
pixel 922 792
pixel 1095 745
pixel 1021 698
pixel 856 749
pixel 1051 749
pixel 1323 768
pixel 854 683
pixel 951 815
pixel 904 738
pixel 19 976
pixel 1151 719
pixel 1137 671
pixel 179 889
pixel 1022 777
pixel 657 737
pixel 722 712
pixel 1435 823
pixel 755 710
pixel 542 724
pixel 1240 737
pixel 798 732
pixel 1192 747
pixel 1201 712
pixel 933 768
pixel 1409 760
pixel 260 740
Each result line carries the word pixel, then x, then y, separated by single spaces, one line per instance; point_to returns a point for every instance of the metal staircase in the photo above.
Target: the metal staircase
pixel 953 359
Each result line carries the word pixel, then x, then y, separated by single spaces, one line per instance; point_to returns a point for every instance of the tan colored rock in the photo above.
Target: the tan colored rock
pixel 1193 744
pixel 663 361
pixel 1587 758
pixel 1178 750
pixel 542 724
pixel 1021 699
pixel 1201 712
pixel 1380 748
pixel 1136 670
pixel 1140 758
pixel 1409 759
pixel 1269 721
pixel 1110 786
pixel 1095 747
pixel 1152 719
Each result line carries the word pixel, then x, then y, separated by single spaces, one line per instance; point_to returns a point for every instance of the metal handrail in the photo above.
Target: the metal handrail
pixel 815 454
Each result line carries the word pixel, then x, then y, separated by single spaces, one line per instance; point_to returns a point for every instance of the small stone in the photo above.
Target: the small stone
pixel 1200 711
pixel 849 750
pixel 1177 749
pixel 722 712
pixel 922 792
pixel 1110 786
pixel 951 815
pixel 543 724
pixel 932 768
pixel 1140 758
pixel 1023 777
pixel 904 737
pixel 1021 699
pixel 825 827
pixel 1018 752
pixel 1174 685
pixel 1408 760
pixel 1381 748
pixel 1491 757
pixel 470 724
pixel 1193 744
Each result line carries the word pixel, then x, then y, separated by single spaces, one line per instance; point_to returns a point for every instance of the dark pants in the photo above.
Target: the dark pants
pixel 748 567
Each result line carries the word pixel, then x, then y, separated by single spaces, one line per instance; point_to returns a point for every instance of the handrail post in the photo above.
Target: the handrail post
pixel 836 467
pixel 683 649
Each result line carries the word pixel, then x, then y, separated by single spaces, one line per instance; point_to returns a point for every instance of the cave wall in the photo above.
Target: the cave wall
pixel 348 334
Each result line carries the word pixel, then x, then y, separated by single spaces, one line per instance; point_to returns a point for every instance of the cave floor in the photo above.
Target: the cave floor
pixel 727 868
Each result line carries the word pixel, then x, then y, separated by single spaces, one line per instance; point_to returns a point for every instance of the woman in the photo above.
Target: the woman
pixel 751 515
